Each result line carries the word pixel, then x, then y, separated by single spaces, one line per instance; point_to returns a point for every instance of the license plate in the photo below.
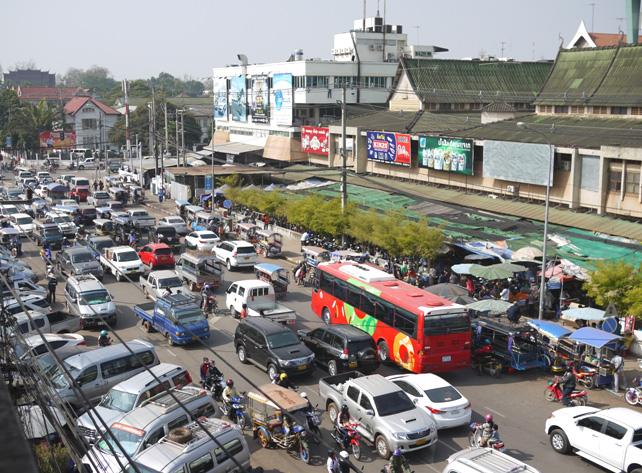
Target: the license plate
pixel 352 364
pixel 454 412
pixel 302 367
pixel 421 442
pixel 446 358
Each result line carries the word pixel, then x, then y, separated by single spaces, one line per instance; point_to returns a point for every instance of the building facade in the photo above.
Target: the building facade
pixel 92 122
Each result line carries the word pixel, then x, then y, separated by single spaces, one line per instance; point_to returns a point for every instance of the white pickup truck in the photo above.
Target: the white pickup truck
pixel 157 283
pixel 260 299
pixel 121 261
pixel 51 322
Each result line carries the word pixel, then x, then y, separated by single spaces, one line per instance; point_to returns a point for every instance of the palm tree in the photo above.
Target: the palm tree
pixel 30 120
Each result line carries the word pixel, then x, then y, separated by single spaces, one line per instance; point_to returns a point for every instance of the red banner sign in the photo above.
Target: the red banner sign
pixel 314 140
pixel 57 139
pixel 403 149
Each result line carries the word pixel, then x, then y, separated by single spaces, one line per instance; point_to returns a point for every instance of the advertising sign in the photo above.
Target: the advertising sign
pixel 391 148
pixel 259 104
pixel 281 104
pixel 517 162
pixel 56 139
pixel 238 99
pixel 314 140
pixel 446 154
pixel 220 99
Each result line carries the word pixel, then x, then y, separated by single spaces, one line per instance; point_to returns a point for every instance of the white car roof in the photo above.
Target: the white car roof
pixel 252 283
pixel 143 379
pixel 164 273
pixel 20 215
pixel 205 232
pixel 34 340
pixel 241 243
pixel 423 381
pixel 628 417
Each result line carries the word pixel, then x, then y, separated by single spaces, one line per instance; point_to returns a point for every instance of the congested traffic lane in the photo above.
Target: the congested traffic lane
pixel 516 401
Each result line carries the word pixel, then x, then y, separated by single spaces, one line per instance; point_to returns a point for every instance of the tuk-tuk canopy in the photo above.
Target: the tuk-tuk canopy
pixel 278 397
pixel 9 231
pixel 593 337
pixel 56 187
pixel 246 226
pixel 549 329
pixel 182 203
pixel 268 268
pixel 583 313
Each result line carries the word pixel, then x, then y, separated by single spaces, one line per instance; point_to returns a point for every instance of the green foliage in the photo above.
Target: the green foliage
pixel 617 283
pixel 9 105
pixel 29 120
pixel 97 79
pixel 51 459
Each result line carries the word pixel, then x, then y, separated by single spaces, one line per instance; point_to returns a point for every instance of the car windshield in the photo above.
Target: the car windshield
pixel 167 231
pixel 129 440
pixel 140 213
pixel 84 257
pixel 188 315
pixel 443 394
pixel 119 400
pixel 128 256
pixel 445 324
pixel 207 236
pixel 95 297
pixel 61 219
pixel 282 339
pixel 102 244
pixel 393 403
pixel 170 282
pixel 82 182
pixel 101 195
pixel 177 220
pixel 52 231
pixel 24 220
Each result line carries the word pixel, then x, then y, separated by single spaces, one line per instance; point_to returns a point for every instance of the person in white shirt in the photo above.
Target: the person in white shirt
pixel 618 369
pixel 332 464
pixel 505 294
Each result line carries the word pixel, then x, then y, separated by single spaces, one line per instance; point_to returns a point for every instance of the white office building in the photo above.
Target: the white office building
pixel 259 108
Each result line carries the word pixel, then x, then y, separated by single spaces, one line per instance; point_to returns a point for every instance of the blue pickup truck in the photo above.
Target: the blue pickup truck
pixel 178 317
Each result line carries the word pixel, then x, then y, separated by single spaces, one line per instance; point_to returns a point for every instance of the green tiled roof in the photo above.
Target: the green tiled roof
pixel 462 81
pixel 413 122
pixel 567 131
pixel 595 76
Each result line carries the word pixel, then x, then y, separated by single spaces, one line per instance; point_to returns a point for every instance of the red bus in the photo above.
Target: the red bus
pixel 417 330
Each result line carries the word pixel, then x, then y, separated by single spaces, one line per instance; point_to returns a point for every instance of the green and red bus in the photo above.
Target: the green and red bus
pixel 418 331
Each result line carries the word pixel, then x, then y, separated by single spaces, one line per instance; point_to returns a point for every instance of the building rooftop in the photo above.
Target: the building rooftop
pixel 595 76
pixel 465 81
pixel 76 103
pixel 48 93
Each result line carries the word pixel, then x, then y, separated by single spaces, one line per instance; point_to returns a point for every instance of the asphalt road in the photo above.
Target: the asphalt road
pixel 515 400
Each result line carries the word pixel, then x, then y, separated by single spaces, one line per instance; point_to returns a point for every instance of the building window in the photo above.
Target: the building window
pixel 561 108
pixel 348 81
pixel 577 109
pixel 545 108
pixel 376 82
pixel 636 110
pixel 615 176
pixel 459 107
pixel 299 82
pixel 320 82
pixel 600 110
pixel 89 124
pixel 619 110
pixel 632 182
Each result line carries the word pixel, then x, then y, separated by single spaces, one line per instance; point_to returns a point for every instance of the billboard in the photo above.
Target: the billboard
pixel 314 140
pixel 259 102
pixel 391 148
pixel 238 99
pixel 446 154
pixel 517 162
pixel 220 99
pixel 281 104
pixel 57 139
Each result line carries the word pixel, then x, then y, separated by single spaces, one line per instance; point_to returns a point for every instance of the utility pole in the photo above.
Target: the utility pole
pixel 592 5
pixel 212 194
pixel 344 156
pixel 127 140
pixel 183 136
pixel 155 150
pixel 178 162
pixel 166 147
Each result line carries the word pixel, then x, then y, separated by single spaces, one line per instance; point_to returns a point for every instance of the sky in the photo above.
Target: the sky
pixel 140 38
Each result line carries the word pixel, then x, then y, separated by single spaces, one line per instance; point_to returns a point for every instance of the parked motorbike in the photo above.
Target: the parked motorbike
pixel 235 411
pixel 313 419
pixel 484 361
pixel 215 385
pixel 586 377
pixel 553 392
pixel 475 438
pixel 350 441
pixel 633 394
pixel 388 469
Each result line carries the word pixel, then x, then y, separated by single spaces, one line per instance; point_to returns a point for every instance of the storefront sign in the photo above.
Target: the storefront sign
pixel 314 140
pixel 259 105
pixel 238 99
pixel 446 154
pixel 281 104
pixel 391 148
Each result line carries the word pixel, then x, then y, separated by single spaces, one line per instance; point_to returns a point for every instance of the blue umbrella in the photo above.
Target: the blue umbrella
pixel 583 313
pixel 463 268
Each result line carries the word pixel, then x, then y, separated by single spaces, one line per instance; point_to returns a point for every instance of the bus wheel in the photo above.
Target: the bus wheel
pixel 384 352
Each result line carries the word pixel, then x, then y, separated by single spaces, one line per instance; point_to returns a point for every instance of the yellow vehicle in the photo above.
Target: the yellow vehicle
pixel 273 424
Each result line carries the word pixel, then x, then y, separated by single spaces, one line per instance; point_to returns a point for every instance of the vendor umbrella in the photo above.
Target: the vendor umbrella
pixel 461 300
pixel 476 257
pixel 584 313
pixel 515 268
pixel 447 290
pixel 491 273
pixel 528 253
pixel 490 306
pixel 464 268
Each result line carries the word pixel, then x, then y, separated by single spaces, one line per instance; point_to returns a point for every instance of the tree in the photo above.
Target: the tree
pixel 9 105
pixel 193 88
pixel 97 79
pixel 30 120
pixel 617 283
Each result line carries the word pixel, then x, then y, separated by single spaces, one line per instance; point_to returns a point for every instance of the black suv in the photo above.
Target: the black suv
pixel 272 346
pixel 342 348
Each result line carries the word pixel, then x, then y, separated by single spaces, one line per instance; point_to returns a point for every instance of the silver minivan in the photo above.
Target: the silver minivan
pixel 129 394
pixel 147 424
pixel 197 452
pixel 97 371
pixel 86 297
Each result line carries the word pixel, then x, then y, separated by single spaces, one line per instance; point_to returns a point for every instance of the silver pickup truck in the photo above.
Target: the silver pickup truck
pixel 385 415
pixel 157 283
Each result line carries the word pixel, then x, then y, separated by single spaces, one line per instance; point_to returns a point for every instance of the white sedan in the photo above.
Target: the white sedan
pixel 202 240
pixel 177 222
pixel 37 347
pixel 446 404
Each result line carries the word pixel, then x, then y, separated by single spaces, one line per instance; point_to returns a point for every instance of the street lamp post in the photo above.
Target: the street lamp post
pixel 551 158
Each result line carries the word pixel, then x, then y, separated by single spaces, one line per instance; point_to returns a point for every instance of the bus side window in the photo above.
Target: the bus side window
pixel 354 298
pixel 367 305
pixel 325 283
pixel 340 290
pixel 406 322
pixel 385 313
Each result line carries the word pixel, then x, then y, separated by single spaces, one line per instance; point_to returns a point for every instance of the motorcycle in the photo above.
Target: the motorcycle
pixel 350 441
pixel 475 438
pixel 586 377
pixel 209 304
pixel 553 392
pixel 215 385
pixel 313 419
pixel 633 395
pixel 235 411
pixel 388 469
pixel 484 361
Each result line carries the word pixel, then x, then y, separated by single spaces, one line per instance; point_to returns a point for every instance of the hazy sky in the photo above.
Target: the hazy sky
pixel 140 38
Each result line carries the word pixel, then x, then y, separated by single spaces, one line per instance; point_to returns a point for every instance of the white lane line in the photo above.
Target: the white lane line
pixel 449 447
pixel 495 412
pixel 432 467
pixel 171 352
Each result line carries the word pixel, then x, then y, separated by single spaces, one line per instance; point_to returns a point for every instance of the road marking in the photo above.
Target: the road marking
pixel 171 352
pixel 494 412
pixel 452 449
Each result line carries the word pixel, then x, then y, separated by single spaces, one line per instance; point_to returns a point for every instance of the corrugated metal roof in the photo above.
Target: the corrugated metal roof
pixel 463 81
pixel 413 122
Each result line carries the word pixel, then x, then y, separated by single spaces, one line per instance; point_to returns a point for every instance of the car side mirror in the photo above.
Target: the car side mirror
pixel 415 400
pixel 369 412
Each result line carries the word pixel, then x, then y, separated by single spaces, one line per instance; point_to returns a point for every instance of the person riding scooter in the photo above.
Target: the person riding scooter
pixel 208 297
pixel 343 419
pixel 229 393
pixel 104 339
pixel 398 463
pixel 488 432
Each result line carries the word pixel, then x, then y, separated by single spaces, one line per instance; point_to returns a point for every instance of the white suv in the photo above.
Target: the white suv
pixel 236 254
pixel 610 437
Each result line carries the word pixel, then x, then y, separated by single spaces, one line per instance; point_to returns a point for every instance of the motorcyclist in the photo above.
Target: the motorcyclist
pixel 104 339
pixel 486 431
pixel 17 244
pixel 229 393
pixel 345 465
pixel 212 370
pixel 284 381
pixel 81 232
pixel 398 463
pixel 567 381
pixel 46 253
pixel 304 395
pixel 133 238
pixel 343 419
pixel 206 293
pixel 205 366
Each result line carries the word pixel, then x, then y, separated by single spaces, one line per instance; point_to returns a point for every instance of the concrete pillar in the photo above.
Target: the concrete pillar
pixel 360 153
pixel 603 184
pixel 576 178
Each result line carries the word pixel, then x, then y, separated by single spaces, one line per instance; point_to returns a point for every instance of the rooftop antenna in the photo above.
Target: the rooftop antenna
pixel 377 7
pixel 592 5
pixel 417 28
pixel 363 22
pixel 503 43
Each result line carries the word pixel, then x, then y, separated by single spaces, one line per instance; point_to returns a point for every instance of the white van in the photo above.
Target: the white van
pixel 129 394
pixel 485 460
pixel 197 452
pixel 97 371
pixel 81 182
